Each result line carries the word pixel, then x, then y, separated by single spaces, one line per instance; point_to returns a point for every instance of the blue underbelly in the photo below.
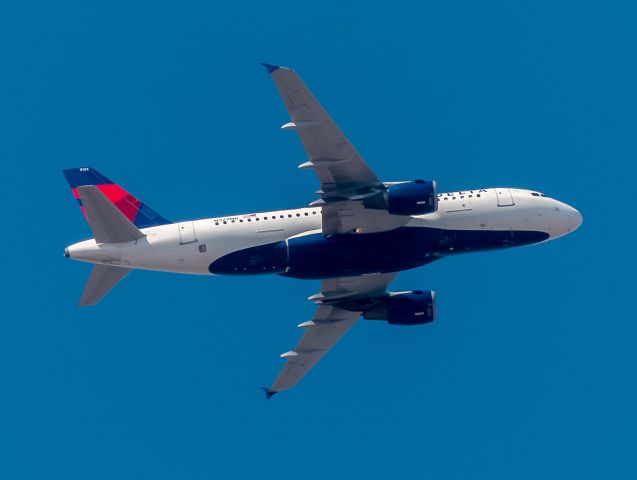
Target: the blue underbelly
pixel 317 256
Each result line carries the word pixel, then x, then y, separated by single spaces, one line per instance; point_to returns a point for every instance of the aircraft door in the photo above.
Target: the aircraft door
pixel 505 198
pixel 186 233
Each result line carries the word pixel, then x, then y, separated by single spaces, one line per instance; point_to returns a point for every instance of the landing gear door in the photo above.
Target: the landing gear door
pixel 505 199
pixel 186 233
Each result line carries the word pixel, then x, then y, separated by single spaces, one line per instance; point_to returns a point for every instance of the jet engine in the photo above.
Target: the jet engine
pixel 412 198
pixel 404 308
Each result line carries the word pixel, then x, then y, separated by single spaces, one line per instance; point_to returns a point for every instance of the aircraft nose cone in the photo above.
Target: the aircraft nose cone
pixel 66 252
pixel 577 220
pixel 570 218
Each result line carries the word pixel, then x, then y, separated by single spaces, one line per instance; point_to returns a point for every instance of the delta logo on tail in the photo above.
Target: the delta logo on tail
pixel 137 212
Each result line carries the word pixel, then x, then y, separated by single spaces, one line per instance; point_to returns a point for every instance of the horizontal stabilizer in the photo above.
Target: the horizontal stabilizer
pixel 103 278
pixel 108 223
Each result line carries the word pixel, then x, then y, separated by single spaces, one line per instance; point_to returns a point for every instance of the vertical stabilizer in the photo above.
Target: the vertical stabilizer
pixel 140 214
pixel 108 223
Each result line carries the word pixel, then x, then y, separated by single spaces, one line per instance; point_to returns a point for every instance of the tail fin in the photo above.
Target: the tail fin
pixel 137 212
pixel 109 224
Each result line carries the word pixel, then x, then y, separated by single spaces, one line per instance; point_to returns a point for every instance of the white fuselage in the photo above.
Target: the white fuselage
pixel 192 246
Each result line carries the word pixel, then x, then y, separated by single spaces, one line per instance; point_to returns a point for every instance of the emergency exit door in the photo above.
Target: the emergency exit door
pixel 505 198
pixel 186 233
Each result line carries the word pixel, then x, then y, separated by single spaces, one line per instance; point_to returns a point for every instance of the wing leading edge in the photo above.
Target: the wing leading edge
pixel 329 324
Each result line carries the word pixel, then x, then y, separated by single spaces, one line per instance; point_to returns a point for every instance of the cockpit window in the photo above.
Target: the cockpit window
pixel 535 194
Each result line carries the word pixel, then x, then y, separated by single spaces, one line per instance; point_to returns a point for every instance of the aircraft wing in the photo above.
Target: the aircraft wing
pixel 344 176
pixel 338 165
pixel 329 324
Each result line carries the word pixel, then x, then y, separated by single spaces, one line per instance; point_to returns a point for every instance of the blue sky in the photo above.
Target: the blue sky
pixel 529 370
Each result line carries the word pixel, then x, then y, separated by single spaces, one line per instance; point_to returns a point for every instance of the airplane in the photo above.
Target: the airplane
pixel 356 237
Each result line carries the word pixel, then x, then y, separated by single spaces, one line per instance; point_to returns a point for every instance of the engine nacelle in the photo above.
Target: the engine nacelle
pixel 412 198
pixel 404 308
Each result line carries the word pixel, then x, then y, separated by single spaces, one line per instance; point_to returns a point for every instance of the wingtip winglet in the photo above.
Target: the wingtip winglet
pixel 268 393
pixel 269 67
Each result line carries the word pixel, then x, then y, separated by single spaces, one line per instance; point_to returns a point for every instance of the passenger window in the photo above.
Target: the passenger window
pixel 202 248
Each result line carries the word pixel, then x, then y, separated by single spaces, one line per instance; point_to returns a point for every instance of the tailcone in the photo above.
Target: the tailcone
pixel 91 251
